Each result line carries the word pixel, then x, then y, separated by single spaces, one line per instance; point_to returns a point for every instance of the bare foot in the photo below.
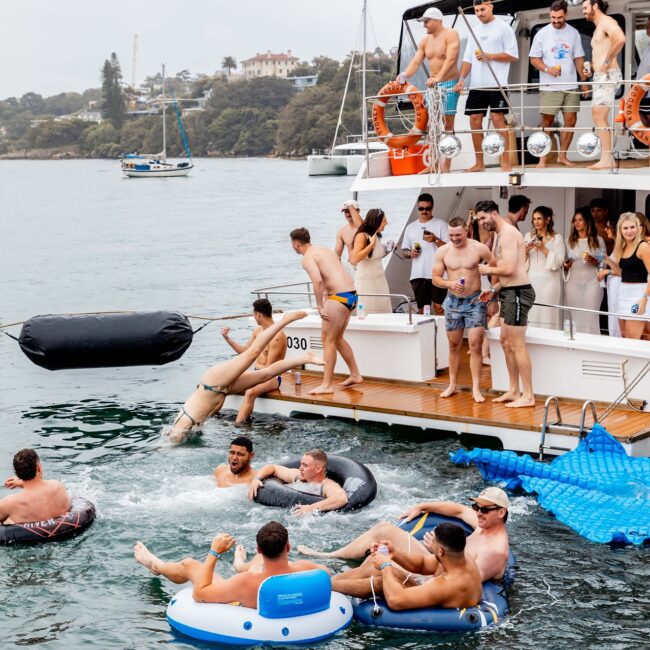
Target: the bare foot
pixel 475 168
pixel 239 561
pixel 522 402
pixel 321 390
pixel 143 555
pixel 601 164
pixel 487 361
pixel 507 397
pixel 352 380
pixel 478 398
pixel 314 359
pixel 292 316
pixel 305 550
pixel 566 162
pixel 451 390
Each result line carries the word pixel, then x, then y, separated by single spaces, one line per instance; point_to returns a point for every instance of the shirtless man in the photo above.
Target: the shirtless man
pixel 516 297
pixel 38 499
pixel 336 297
pixel 457 583
pixel 234 376
pixel 608 40
pixel 487 545
pixel 345 234
pixel 275 351
pixel 440 47
pixel 309 478
pixel 238 470
pixel 272 544
pixel 465 304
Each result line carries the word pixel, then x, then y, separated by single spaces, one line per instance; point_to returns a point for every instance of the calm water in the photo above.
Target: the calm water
pixel 77 237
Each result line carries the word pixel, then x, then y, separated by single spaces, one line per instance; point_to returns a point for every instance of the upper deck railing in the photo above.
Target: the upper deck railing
pixel 524 137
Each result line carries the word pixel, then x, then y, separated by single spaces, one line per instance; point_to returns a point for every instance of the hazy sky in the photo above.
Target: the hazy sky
pixel 51 46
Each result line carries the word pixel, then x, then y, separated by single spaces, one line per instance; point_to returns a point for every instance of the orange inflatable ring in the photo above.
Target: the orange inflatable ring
pixel 379 121
pixel 633 119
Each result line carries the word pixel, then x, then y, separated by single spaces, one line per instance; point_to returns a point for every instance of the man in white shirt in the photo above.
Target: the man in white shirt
pixel 493 52
pixel 558 55
pixel 420 243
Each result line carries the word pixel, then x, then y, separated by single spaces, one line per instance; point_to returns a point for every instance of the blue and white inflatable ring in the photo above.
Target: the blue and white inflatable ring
pixel 292 609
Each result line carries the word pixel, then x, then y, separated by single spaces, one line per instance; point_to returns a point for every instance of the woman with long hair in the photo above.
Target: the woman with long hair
pixel 632 255
pixel 367 253
pixel 585 251
pixel 611 275
pixel 545 253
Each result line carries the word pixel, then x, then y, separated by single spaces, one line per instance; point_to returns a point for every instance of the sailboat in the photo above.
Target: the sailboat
pixel 346 159
pixel 153 166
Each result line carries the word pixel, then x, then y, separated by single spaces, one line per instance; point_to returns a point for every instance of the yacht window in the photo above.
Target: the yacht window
pixel 586 30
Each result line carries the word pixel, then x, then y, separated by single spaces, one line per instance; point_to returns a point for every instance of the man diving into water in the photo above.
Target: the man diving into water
pixel 235 376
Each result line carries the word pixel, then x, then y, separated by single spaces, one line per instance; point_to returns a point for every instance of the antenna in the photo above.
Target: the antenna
pixel 135 54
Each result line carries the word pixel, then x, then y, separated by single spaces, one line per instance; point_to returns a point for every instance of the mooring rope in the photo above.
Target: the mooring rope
pixel 435 100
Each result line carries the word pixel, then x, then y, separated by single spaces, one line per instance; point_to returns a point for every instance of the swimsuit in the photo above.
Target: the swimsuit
pixel 220 390
pixel 464 311
pixel 450 97
pixel 516 303
pixel 348 299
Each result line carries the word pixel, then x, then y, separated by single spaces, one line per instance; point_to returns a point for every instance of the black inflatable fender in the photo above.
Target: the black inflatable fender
pixel 57 342
pixel 74 522
pixel 356 479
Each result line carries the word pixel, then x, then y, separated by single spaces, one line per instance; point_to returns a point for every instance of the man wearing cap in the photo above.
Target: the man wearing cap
pixel 345 234
pixel 441 48
pixel 488 545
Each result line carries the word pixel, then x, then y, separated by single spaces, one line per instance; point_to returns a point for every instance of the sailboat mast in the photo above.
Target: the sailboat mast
pixel 364 108
pixel 163 112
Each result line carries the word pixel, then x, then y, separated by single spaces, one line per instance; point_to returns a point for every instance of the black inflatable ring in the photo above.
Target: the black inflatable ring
pixel 74 522
pixel 356 479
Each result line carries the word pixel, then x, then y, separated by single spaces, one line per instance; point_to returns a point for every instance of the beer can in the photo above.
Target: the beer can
pixel 297 378
pixel 461 281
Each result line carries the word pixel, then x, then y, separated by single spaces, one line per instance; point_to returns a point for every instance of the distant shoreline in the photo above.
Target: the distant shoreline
pixel 72 155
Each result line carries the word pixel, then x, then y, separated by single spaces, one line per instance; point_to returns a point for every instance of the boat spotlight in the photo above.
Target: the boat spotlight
pixel 449 146
pixel 539 144
pixel 588 145
pixel 494 144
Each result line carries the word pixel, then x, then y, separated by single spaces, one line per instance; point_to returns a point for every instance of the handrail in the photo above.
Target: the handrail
pixel 371 295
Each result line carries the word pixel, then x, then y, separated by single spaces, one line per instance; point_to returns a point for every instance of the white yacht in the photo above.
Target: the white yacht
pixel 578 378
pixel 343 160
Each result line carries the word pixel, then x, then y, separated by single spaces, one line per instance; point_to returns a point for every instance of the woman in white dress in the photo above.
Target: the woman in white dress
pixel 367 254
pixel 585 250
pixel 545 252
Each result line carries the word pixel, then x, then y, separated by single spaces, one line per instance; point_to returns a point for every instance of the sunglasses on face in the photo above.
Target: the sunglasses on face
pixel 484 509
pixel 421 209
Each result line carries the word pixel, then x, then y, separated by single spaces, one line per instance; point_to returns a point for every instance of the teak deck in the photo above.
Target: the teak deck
pixel 424 401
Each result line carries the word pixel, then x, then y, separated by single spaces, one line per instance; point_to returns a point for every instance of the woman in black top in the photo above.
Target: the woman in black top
pixel 633 255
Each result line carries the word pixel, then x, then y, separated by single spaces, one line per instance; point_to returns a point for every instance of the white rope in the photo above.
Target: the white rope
pixel 435 100
pixel 376 609
pixel 542 606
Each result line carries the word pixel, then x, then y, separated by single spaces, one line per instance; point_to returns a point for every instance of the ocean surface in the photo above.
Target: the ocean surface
pixel 76 237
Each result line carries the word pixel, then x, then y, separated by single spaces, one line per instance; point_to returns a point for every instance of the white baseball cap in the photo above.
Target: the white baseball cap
pixel 430 14
pixel 493 495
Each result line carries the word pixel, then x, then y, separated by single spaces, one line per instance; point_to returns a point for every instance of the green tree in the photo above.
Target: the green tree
pixel 33 102
pixel 113 100
pixel 229 63
pixel 98 138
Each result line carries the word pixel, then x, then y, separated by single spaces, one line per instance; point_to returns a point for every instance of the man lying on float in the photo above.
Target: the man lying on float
pixel 309 478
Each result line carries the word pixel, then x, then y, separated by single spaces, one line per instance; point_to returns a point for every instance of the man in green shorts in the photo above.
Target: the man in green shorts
pixel 557 53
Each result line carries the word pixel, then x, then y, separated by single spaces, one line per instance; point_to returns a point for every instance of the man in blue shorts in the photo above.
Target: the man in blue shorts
pixel 465 305
pixel 441 48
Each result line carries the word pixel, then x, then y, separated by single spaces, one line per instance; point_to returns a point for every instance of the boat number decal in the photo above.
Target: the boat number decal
pixel 296 343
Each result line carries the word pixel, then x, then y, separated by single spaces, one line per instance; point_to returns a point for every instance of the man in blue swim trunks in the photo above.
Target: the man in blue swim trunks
pixel 441 48
pixel 336 298
pixel 465 305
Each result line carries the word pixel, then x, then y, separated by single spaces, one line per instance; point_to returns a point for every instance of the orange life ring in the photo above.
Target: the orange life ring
pixel 379 121
pixel 633 119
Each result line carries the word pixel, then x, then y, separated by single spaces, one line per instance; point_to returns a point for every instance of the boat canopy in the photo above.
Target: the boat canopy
pixel 450 7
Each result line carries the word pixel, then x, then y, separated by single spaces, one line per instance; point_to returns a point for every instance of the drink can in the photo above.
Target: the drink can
pixel 417 246
pixel 297 377
pixel 426 310
pixel 587 67
pixel 383 549
pixel 461 281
